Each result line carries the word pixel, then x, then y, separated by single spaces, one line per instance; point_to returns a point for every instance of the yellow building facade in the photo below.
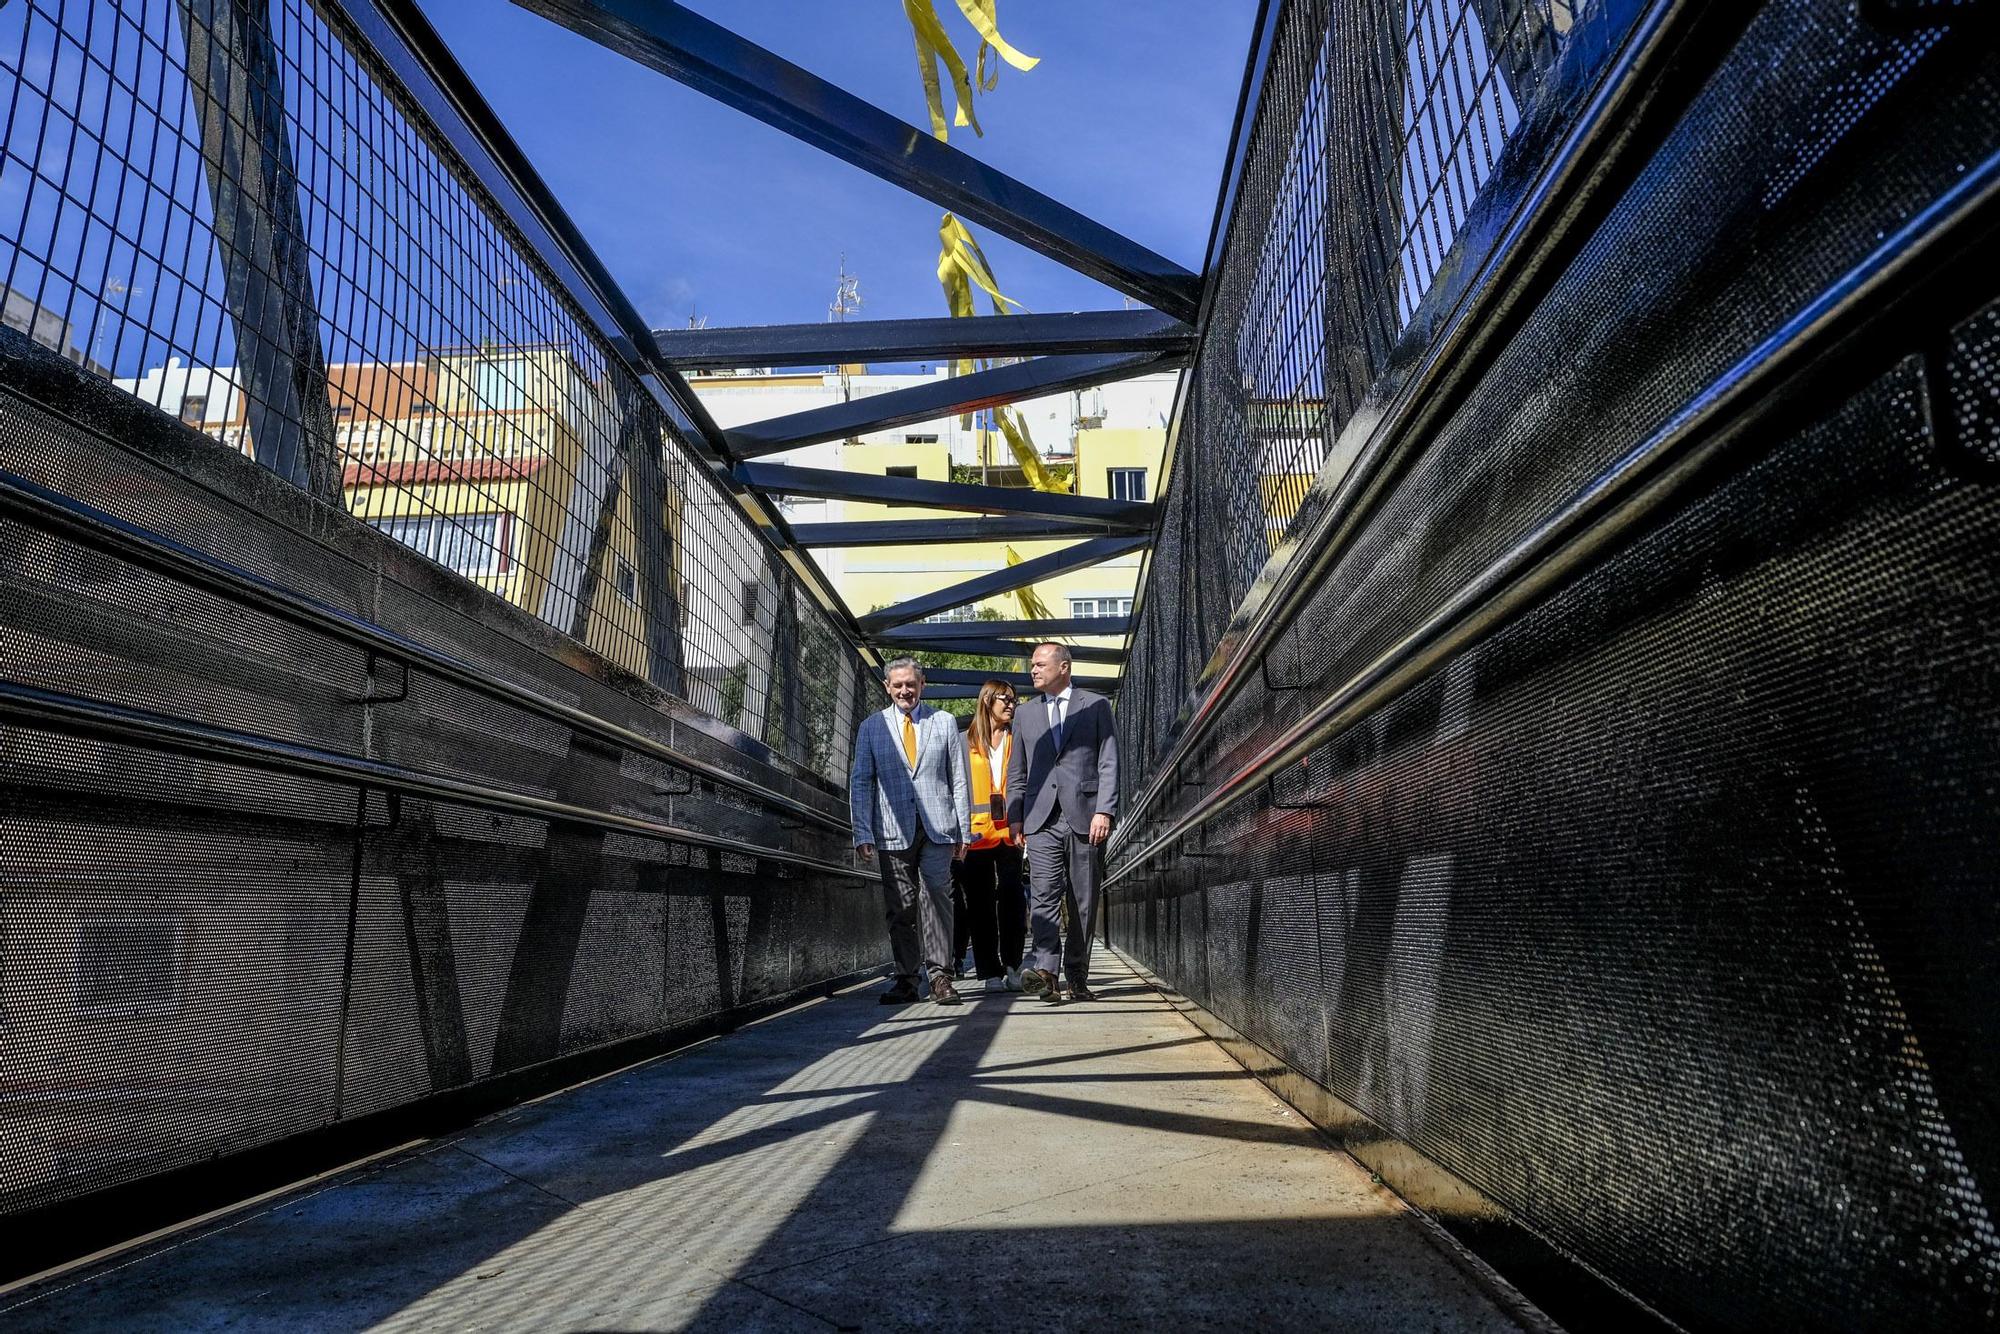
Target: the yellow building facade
pixel 495 463
pixel 1119 463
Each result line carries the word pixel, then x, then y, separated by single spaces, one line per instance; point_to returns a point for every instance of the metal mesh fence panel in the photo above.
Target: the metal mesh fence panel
pixel 236 213
pixel 1652 912
pixel 268 866
pixel 313 479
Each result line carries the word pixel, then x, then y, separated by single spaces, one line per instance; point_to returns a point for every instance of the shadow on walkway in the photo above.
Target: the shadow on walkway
pixel 840 1166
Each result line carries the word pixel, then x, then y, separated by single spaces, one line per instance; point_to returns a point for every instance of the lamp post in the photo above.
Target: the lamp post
pixel 118 287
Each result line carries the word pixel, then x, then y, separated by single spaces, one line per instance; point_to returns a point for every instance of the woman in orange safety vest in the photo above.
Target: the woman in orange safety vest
pixel 995 896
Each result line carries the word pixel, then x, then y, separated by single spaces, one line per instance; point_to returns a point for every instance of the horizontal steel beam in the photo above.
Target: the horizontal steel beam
pixel 1053 627
pixel 971 691
pixel 994 648
pixel 713 60
pixel 1096 551
pixel 954 676
pixel 830 343
pixel 780 479
pixel 946 397
pixel 938 532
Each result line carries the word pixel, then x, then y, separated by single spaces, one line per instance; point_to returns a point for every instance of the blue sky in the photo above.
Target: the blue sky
pixel 697 208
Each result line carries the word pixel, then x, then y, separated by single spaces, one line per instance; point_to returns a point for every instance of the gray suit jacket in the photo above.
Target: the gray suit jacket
pixel 888 802
pixel 1084 777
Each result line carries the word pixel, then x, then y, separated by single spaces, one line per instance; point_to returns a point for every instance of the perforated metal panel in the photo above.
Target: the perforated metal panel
pixel 1653 902
pixel 238 213
pixel 318 472
pixel 262 924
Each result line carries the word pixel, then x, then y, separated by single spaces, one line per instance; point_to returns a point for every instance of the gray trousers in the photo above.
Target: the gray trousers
pixel 1063 867
pixel 916 885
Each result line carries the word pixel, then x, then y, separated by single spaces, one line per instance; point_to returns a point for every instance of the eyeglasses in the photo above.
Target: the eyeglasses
pixel 1008 700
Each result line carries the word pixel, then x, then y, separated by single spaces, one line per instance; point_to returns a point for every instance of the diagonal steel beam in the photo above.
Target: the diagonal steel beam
pixel 713 60
pixel 947 397
pixel 398 35
pixel 953 677
pixel 996 648
pixel 1035 632
pixel 832 343
pixel 939 532
pixel 1006 580
pixel 779 479
pixel 235 79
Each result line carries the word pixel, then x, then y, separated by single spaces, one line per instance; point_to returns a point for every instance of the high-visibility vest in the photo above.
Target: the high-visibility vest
pixel 988 832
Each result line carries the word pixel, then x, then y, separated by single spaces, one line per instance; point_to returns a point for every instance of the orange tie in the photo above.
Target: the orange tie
pixel 910 740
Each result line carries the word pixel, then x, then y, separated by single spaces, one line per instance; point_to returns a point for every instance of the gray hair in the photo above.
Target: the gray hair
pixel 895 664
pixel 1062 650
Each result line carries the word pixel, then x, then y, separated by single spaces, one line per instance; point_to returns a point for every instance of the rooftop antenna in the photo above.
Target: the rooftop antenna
pixel 846 300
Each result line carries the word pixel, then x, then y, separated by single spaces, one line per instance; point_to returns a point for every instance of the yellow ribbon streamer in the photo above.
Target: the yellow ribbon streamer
pixel 961 267
pixel 934 45
pixel 984 17
pixel 1023 447
pixel 1032 606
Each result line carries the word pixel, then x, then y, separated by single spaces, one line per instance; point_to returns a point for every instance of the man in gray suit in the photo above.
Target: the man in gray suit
pixel 911 800
pixel 1062 792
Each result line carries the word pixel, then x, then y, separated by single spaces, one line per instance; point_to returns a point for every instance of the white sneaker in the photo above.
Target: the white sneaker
pixel 1013 979
pixel 995 985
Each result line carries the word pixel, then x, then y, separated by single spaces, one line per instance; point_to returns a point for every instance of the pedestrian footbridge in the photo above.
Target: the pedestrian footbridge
pixel 836 1165
pixel 1559 716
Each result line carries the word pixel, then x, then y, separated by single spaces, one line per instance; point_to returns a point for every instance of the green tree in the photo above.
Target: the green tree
pixel 967 662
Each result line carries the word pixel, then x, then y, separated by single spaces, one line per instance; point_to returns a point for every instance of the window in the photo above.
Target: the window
pixel 924 439
pixel 752 592
pixel 1126 483
pixel 194 408
pixel 465 543
pixel 627 580
pixel 956 614
pixel 128 966
pixel 501 386
pixel 902 470
pixel 1100 606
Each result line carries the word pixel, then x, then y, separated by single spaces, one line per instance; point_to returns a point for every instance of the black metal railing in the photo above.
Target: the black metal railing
pixel 281 225
pixel 398 706
pixel 1558 713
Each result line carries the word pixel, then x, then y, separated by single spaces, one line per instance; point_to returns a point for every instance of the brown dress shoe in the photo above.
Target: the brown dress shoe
pixel 943 992
pixel 1038 982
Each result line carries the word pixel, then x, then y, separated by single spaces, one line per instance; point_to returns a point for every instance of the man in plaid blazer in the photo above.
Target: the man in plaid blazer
pixel 911 799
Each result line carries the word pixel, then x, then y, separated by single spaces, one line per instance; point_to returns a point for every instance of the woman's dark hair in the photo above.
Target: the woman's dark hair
pixel 981 730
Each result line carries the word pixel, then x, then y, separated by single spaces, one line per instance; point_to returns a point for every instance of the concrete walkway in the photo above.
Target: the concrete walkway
pixel 1005 1165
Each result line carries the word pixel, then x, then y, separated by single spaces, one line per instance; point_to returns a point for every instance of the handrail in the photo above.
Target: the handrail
pixel 51 511
pixel 77 714
pixel 1578 171
pixel 1644 479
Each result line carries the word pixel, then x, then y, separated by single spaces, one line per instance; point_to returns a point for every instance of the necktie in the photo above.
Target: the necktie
pixel 1056 720
pixel 910 740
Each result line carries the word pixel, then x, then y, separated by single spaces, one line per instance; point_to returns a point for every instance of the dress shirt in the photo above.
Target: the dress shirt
pixel 1059 710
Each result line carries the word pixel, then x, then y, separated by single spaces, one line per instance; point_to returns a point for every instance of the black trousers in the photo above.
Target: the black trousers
pixel 996 903
pixel 961 920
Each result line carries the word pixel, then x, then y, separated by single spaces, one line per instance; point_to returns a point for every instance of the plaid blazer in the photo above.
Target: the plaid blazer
pixel 889 801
